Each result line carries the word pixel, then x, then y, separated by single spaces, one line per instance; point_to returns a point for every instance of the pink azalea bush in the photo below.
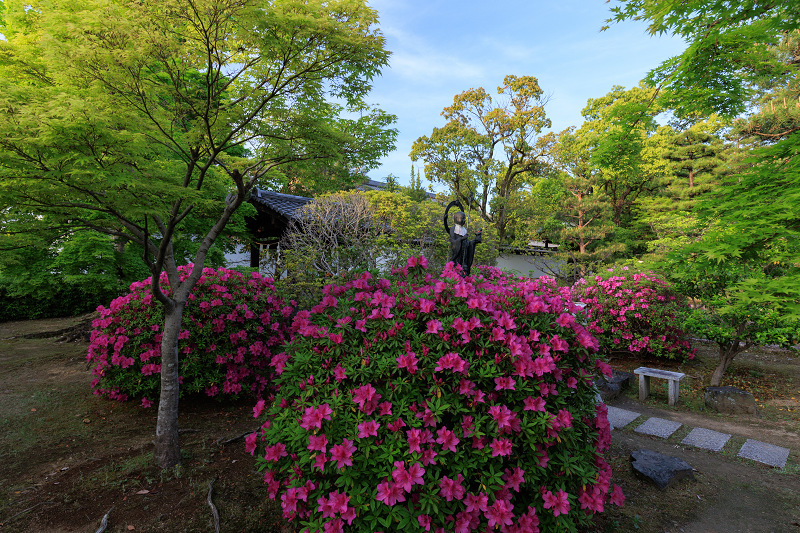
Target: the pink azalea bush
pixel 421 403
pixel 233 326
pixel 634 312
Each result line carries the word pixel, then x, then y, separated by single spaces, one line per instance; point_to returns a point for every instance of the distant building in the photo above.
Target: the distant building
pixel 275 211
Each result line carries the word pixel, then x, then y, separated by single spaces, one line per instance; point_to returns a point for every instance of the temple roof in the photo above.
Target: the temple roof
pixel 284 204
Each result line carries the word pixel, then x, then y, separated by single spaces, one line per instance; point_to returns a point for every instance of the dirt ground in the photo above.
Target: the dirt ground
pixel 69 457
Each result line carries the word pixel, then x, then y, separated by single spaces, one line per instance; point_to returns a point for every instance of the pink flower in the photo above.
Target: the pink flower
pixel 408 361
pixel 426 306
pixel 414 437
pixel 250 443
pixel 367 398
pixel 451 488
pixel 428 457
pixel 452 361
pixel 476 503
pixel 368 428
pixel 514 478
pixel 504 416
pixel 343 453
pixel 501 447
pixel 447 439
pixel 275 452
pixel 617 497
pixel 558 502
pixel 565 320
pixel 499 514
pixel 434 326
pixel 424 521
pixel 504 383
pixel 416 472
pixel 559 344
pixel 390 493
pixel 258 409
pixel 146 403
pixel 401 476
pixel 339 373
pixel 533 404
pixel 385 409
pixel 314 416
pixel 317 443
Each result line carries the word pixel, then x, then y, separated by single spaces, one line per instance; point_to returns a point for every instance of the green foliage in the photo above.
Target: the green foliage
pixel 415 403
pixel 732 47
pixel 67 277
pixel 625 147
pixel 415 190
pixel 736 304
pixel 129 118
pixel 235 326
pixel 490 148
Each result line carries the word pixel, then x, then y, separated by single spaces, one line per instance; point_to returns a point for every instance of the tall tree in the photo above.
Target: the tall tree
pixel 585 211
pixel 490 148
pixel 742 54
pixel 121 117
pixel 697 161
pixel 625 146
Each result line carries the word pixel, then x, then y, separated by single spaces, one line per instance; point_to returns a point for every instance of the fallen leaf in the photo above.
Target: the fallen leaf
pixel 131 528
pixel 33 409
pixel 143 491
pixel 86 420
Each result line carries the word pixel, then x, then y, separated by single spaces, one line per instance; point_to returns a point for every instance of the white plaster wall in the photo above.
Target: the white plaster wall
pixel 524 265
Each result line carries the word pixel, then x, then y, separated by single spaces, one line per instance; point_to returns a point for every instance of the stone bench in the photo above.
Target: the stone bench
pixel 645 374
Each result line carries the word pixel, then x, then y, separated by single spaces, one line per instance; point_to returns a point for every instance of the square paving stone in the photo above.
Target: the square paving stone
pixel 706 439
pixel 658 427
pixel 769 454
pixel 620 418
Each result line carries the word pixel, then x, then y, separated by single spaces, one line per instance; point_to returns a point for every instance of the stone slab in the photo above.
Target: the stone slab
pixel 663 470
pixel 769 454
pixel 706 439
pixel 658 427
pixel 658 373
pixel 620 418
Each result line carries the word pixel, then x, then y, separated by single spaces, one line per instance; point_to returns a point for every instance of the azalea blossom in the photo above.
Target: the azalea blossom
pixel 558 502
pixel 499 513
pixel 343 453
pixel 390 493
pixel 368 428
pixel 451 489
pixel 501 447
pixel 447 439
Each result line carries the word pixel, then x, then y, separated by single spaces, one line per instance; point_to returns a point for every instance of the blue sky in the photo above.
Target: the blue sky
pixel 443 47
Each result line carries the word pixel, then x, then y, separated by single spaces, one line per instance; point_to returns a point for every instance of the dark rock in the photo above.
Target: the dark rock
pixel 611 388
pixel 663 470
pixel 730 400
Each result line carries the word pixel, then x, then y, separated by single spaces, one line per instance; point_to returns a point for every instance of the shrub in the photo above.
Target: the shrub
pixel 634 312
pixel 415 404
pixel 231 326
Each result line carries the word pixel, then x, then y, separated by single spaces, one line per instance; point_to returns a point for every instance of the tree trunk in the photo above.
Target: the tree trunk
pixel 726 355
pixel 168 449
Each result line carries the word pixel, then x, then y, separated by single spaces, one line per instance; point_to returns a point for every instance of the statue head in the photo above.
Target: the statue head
pixel 460 218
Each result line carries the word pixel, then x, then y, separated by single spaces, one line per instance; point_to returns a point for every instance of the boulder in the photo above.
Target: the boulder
pixel 662 470
pixel 730 400
pixel 611 388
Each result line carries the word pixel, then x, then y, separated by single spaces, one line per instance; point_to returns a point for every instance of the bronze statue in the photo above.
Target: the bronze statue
pixel 462 249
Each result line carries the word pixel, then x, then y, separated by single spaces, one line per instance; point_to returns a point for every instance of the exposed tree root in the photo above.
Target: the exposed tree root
pixel 221 442
pixel 23 512
pixel 104 522
pixel 213 507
